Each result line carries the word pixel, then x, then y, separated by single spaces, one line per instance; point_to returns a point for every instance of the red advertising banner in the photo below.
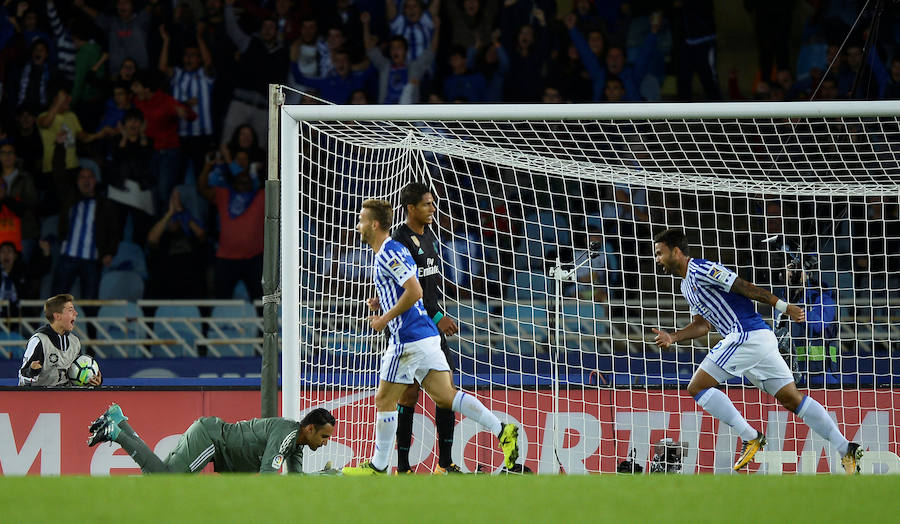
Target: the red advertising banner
pixel 44 432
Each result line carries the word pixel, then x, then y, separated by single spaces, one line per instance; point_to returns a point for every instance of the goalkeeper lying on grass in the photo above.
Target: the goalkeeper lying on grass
pixel 259 445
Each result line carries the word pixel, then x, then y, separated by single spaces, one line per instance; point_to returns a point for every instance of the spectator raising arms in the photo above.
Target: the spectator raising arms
pixel 414 24
pixel 163 115
pixel 192 85
pixel 59 125
pixel 338 86
pixel 176 243
pixel 263 60
pixel 240 201
pixel 398 80
pixel 126 32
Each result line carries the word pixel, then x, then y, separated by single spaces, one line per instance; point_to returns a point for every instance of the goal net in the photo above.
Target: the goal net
pixel 545 222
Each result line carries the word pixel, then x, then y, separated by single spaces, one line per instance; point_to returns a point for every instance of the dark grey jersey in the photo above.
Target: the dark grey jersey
pixel 425 251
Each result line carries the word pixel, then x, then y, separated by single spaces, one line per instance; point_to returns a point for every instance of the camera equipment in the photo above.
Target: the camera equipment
pixel 667 455
pixel 629 465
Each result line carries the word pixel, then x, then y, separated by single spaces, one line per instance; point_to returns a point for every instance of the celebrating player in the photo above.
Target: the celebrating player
pixel 259 445
pixel 720 299
pixel 415 235
pixel 414 351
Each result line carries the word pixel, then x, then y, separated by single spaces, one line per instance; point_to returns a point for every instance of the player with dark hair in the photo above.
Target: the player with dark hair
pixel 719 298
pixel 414 351
pixel 259 445
pixel 419 204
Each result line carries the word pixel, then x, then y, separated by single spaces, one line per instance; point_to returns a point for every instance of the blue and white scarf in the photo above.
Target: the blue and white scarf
pixel 23 83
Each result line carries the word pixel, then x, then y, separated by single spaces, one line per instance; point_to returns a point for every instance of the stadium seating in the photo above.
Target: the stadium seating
pixel 120 322
pixel 238 326
pixel 122 285
pixel 179 324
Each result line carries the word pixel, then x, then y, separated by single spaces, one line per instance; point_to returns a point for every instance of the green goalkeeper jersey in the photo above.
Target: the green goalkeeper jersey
pixel 255 445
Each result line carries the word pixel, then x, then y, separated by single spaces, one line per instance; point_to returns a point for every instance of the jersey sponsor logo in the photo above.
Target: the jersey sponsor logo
pixel 428 271
pixel 277 461
pixel 719 274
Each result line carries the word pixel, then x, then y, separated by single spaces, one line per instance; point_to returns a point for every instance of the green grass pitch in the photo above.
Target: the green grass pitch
pixel 463 499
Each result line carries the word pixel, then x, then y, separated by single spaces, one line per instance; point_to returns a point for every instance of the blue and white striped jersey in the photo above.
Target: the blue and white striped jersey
pixel 707 288
pixel 80 242
pixel 199 86
pixel 392 268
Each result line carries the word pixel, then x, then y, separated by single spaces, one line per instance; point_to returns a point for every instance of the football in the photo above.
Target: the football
pixel 83 369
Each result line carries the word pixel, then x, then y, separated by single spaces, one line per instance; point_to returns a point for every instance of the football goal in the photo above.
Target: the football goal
pixel 545 220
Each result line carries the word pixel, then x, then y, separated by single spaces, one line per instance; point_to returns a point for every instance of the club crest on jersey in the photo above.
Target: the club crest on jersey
pixel 277 461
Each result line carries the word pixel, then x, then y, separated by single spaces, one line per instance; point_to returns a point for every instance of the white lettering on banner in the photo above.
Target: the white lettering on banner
pixel 424 440
pixel 813 448
pixel 726 443
pixel 105 457
pixel 775 430
pixel 640 424
pixel 44 438
pixel 690 434
pixel 874 435
pixel 572 458
pixel 773 461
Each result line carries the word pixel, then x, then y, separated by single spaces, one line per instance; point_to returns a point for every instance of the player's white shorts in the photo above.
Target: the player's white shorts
pixel 752 354
pixel 405 362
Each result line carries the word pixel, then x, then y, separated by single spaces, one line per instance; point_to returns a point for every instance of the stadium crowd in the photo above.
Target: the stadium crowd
pixel 142 123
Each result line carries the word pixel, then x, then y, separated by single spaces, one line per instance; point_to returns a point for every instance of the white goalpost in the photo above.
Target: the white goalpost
pixel 546 215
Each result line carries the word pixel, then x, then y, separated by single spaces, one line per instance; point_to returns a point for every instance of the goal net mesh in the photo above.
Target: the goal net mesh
pixel 572 360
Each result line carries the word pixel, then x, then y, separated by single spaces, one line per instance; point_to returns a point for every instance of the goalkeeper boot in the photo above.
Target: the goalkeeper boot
pixel 364 469
pixel 509 443
pixel 107 431
pixel 850 461
pixel 114 413
pixel 748 451
pixel 452 469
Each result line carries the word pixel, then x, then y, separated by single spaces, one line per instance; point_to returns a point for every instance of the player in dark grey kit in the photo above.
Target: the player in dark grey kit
pixel 418 202
pixel 259 445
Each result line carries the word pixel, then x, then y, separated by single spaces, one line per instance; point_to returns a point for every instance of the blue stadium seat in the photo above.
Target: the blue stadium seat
pixel 120 323
pixel 178 327
pixel 529 286
pixel 240 292
pixel 526 327
pixel 234 329
pixel 121 285
pixel 18 351
pixel 130 257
